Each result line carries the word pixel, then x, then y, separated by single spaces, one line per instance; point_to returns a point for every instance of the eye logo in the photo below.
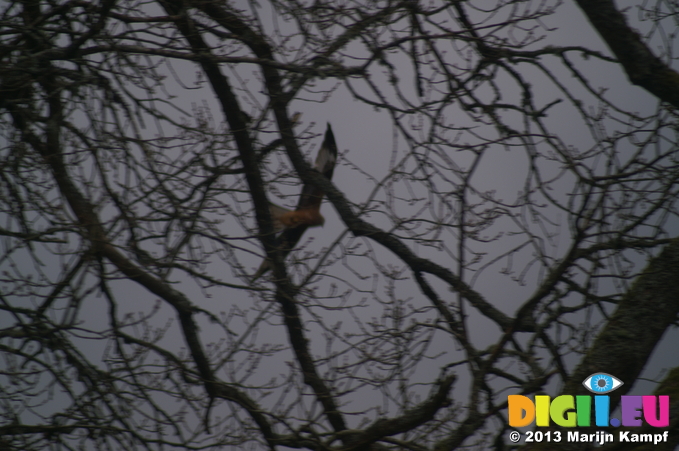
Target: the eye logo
pixel 601 383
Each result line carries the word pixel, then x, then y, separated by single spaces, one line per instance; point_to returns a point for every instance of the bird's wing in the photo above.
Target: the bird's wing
pixel 277 213
pixel 287 240
pixel 311 196
pixel 310 199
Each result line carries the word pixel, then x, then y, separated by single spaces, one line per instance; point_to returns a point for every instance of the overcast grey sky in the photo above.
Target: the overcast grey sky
pixel 373 150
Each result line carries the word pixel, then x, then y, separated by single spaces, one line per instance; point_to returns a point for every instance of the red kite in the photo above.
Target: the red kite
pixel 293 223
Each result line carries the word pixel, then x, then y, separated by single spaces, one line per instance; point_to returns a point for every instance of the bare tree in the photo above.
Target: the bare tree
pixel 512 229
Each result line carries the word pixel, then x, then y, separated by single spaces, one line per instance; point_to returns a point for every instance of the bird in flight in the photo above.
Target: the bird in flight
pixel 291 224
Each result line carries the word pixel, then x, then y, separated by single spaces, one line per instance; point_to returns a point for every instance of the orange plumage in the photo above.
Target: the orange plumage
pixel 293 223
